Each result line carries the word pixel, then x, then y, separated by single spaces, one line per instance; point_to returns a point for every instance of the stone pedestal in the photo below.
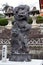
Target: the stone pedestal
pixel 21 57
pixel 9 26
pixel 34 24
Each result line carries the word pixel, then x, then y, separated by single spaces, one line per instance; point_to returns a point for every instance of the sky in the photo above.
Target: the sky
pixel 15 3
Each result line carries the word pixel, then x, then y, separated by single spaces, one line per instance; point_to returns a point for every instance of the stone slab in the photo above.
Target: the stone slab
pixel 32 62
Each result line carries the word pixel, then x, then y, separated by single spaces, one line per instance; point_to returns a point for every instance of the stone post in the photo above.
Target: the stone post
pixel 4 53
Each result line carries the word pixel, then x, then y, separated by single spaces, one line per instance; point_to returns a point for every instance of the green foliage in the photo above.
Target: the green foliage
pixel 39 20
pixel 39 17
pixel 30 20
pixel 3 22
pixel 2 16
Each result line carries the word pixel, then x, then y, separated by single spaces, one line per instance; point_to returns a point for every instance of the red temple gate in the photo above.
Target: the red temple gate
pixel 41 4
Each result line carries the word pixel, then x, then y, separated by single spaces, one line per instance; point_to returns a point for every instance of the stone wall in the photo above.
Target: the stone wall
pixel 35 45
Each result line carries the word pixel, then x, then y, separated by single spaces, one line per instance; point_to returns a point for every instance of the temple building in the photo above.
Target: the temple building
pixel 41 7
pixel 41 12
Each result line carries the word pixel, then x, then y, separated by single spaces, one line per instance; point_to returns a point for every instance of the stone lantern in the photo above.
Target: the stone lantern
pixel 9 15
pixel 34 15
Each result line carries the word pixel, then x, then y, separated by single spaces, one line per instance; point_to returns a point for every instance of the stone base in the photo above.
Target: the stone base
pixel 20 57
pixel 35 26
pixel 8 27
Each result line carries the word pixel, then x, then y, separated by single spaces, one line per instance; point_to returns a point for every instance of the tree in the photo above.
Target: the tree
pixel 5 7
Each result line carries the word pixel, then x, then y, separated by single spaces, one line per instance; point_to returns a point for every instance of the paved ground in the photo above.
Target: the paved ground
pixel 32 62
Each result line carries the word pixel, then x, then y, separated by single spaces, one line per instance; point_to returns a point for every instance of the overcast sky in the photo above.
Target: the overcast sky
pixel 15 3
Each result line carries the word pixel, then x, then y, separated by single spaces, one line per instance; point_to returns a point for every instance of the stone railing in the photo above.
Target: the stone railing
pixel 5 37
pixel 5 42
pixel 37 41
